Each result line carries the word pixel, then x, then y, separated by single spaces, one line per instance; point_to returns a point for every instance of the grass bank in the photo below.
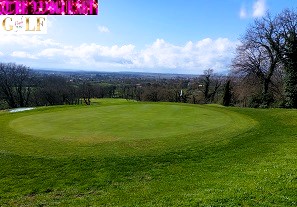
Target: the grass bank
pixel 146 154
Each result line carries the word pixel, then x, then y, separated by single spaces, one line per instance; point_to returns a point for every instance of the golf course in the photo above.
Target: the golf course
pixel 118 152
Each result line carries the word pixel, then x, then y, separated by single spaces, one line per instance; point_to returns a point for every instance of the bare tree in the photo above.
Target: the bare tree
pixel 87 92
pixel 23 85
pixel 15 84
pixel 269 44
pixel 256 60
pixel 278 37
pixel 210 83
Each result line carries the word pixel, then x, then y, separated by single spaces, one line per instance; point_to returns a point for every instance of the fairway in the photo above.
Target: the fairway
pixel 122 153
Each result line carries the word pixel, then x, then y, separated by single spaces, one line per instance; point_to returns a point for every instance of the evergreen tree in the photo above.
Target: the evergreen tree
pixel 227 94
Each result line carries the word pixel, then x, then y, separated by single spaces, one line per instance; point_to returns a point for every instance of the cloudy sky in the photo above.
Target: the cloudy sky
pixel 172 36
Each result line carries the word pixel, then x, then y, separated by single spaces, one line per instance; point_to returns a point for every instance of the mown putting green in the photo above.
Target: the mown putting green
pixel 125 127
pixel 121 122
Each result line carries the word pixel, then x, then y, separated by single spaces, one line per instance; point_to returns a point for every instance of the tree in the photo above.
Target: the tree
pixel 258 55
pixel 278 37
pixel 23 83
pixel 15 83
pixel 87 92
pixel 151 94
pixel 209 85
pixel 256 61
pixel 55 90
pixel 287 22
pixel 227 94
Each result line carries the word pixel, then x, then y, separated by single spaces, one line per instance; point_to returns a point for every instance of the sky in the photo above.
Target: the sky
pixel 160 36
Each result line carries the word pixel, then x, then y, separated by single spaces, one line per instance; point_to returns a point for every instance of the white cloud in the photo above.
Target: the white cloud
pixel 103 29
pixel 51 52
pixel 1 53
pixel 194 57
pixel 22 54
pixel 27 41
pixel 243 13
pixel 259 8
pixel 159 56
pixel 91 53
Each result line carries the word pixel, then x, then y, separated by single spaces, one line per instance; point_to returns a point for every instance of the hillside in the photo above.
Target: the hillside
pixel 126 153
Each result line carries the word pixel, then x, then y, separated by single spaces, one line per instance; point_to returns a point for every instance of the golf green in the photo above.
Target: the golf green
pixel 119 127
pixel 143 121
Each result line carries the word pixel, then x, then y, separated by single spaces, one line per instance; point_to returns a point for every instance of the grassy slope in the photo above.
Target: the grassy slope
pixel 223 167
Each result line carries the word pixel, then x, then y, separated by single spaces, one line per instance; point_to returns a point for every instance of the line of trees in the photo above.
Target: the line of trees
pixel 22 87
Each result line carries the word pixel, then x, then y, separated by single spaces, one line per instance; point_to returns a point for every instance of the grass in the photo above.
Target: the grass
pixel 172 155
pixel 120 122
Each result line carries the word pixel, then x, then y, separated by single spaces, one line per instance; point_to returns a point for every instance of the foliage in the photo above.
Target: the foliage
pixel 287 23
pixel 15 84
pixel 268 45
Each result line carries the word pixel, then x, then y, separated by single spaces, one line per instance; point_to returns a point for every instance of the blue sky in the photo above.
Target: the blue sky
pixel 171 36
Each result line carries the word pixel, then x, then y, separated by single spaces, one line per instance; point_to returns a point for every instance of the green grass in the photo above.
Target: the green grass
pixel 120 122
pixel 122 153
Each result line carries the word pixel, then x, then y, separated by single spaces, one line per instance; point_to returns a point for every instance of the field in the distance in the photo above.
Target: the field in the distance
pixel 124 153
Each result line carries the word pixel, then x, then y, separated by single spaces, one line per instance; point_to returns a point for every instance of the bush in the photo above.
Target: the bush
pixel 3 105
pixel 261 101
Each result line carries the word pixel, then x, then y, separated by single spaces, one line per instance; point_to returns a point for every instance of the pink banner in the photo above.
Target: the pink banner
pixel 48 7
